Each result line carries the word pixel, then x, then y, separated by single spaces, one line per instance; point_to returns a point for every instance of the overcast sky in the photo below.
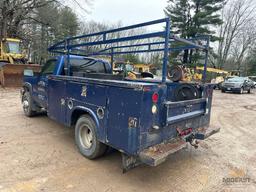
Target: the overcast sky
pixel 126 11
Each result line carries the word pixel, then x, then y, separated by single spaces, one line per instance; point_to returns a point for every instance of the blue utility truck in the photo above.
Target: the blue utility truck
pixel 146 119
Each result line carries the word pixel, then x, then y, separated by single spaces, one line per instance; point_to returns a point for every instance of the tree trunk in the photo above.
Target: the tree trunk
pixel 190 56
pixel 3 22
pixel 185 57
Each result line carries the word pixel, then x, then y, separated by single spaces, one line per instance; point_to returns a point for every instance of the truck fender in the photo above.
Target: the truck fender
pixel 26 87
pixel 79 110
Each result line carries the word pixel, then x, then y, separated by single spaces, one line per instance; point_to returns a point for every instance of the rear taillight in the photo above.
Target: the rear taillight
pixel 184 132
pixel 155 97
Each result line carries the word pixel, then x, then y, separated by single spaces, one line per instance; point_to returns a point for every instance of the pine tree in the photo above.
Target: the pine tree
pixel 191 18
pixel 179 12
pixel 206 16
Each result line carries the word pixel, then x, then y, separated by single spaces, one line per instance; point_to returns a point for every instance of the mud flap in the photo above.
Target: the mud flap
pixel 130 162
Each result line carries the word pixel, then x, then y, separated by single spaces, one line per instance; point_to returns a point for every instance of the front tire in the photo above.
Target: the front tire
pixel 249 91
pixel 241 90
pixel 27 103
pixel 86 138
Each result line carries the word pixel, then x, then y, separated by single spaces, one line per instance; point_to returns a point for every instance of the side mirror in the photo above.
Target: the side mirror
pixel 28 73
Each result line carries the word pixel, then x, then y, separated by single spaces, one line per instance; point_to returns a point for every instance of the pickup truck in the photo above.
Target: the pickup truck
pixel 146 120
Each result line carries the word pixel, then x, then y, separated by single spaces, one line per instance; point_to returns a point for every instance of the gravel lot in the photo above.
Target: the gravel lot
pixel 37 154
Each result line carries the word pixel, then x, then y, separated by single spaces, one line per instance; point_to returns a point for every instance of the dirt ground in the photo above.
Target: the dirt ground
pixel 37 154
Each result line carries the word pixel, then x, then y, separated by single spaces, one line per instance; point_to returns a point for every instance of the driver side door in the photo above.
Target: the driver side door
pixel 40 89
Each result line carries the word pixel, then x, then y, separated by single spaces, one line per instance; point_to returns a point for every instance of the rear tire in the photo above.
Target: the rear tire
pixel 249 91
pixel 223 91
pixel 27 103
pixel 86 138
pixel 241 90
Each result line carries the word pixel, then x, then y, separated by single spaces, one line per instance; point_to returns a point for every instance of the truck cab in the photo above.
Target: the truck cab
pixel 37 83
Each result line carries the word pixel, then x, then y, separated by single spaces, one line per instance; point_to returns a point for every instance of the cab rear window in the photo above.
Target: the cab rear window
pixel 49 67
pixel 87 66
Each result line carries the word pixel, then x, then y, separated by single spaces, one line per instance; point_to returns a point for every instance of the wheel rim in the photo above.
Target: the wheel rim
pixel 86 137
pixel 25 105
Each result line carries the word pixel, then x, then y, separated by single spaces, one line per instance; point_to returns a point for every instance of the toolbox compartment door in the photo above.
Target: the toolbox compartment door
pixel 123 124
pixel 56 100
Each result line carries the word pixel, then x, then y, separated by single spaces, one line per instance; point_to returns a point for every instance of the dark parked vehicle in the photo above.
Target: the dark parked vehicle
pixel 237 85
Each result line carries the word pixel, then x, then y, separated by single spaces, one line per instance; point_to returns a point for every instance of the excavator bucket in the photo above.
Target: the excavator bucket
pixel 11 75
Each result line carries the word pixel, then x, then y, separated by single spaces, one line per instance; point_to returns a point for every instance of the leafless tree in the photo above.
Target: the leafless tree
pixel 238 15
pixel 243 44
pixel 14 12
pixel 94 27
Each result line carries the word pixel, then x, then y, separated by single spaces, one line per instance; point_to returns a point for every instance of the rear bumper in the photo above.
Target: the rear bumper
pixel 157 154
pixel 232 89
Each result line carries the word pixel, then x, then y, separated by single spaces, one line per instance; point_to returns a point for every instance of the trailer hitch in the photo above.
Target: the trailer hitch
pixel 193 141
pixel 193 138
pixel 189 136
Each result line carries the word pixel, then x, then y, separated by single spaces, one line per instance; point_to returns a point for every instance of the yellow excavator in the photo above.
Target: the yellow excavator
pixel 12 63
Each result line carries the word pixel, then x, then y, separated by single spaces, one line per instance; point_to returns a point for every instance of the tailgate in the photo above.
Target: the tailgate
pixel 182 110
